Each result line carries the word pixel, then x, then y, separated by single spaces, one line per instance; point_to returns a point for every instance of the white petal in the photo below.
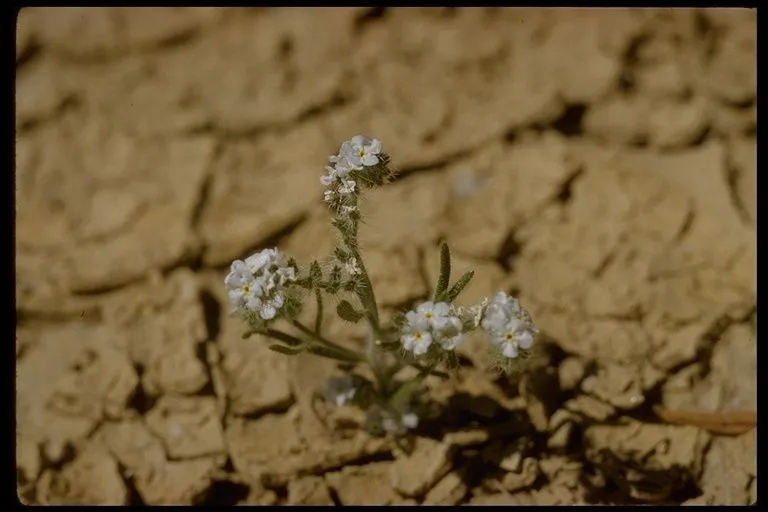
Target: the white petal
pixel 455 323
pixel 253 304
pixel 442 308
pixel 426 306
pixel 439 322
pixel 453 342
pixel 341 170
pixel 268 312
pixel 375 146
pixel 239 267
pixel 410 420
pixel 369 160
pixel 235 296
pixel 509 350
pixel 422 345
pixel 512 324
pixel 525 339
pixel 278 301
pixel 233 279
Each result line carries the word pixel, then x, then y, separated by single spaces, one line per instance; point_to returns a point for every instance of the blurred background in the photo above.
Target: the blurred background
pixel 598 164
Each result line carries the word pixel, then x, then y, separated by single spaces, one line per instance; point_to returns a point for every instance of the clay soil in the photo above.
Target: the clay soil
pixel 599 164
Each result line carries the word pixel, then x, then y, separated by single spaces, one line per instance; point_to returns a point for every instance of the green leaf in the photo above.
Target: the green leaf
pixel 445 271
pixel 459 285
pixel 403 395
pixel 347 312
pixel 315 273
pixel 288 351
pixel 247 334
pixel 335 277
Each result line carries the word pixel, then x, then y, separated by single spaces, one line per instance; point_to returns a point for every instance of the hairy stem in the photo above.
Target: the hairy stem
pixel 351 355
pixel 319 313
pixel 366 295
pixel 286 338
pixel 331 353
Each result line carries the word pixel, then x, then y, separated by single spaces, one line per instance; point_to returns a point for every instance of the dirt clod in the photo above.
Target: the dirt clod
pixel 414 474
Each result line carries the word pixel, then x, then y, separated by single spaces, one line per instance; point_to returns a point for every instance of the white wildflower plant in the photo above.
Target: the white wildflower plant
pixel 270 288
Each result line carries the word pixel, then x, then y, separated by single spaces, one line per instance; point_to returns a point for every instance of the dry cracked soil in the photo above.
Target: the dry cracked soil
pixel 599 164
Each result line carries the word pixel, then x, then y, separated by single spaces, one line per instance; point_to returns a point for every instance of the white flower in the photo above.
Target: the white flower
pixel 502 311
pixel 509 326
pixel 328 195
pixel 352 267
pixel 258 283
pixel 243 290
pixel 416 340
pixel 260 260
pixel 393 425
pixel 360 151
pixel 450 335
pixel 431 315
pixel 340 390
pixel 327 179
pixel 341 169
pixel 410 420
pixel 347 186
pixel 437 321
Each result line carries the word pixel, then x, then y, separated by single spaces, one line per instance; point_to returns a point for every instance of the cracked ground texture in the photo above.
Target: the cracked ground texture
pixel 599 164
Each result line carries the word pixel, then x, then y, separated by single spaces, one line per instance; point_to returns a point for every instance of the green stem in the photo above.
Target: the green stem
pixel 351 355
pixel 319 314
pixel 366 295
pixel 430 370
pixel 286 338
pixel 330 353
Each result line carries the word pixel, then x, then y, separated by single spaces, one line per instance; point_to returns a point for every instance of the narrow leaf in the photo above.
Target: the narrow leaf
pixel 404 393
pixel 315 273
pixel 347 312
pixel 459 285
pixel 445 271
pixel 288 351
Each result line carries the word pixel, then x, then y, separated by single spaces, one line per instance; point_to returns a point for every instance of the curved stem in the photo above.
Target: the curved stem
pixel 366 295
pixel 286 338
pixel 351 355
pixel 330 353
pixel 319 313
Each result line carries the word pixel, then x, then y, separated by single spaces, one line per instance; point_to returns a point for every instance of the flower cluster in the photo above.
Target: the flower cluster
pixel 360 159
pixel 257 285
pixel 509 326
pixel 432 323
